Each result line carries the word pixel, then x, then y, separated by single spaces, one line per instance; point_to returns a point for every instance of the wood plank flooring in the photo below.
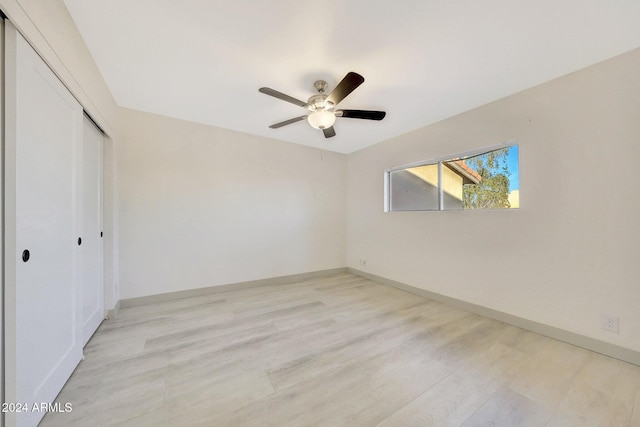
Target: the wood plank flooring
pixel 336 351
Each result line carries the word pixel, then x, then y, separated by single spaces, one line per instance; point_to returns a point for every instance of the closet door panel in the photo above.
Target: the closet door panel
pixel 46 148
pixel 92 251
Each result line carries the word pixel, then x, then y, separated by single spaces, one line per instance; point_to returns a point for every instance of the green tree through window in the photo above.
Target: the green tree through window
pixel 492 190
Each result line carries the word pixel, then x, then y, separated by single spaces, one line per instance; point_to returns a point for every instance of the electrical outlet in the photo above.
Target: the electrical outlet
pixel 610 323
pixel 363 262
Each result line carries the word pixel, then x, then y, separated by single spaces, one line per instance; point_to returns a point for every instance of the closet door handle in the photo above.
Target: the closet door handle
pixel 25 255
pixel 79 241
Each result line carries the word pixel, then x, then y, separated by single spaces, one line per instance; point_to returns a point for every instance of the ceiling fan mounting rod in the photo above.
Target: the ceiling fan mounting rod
pixel 320 85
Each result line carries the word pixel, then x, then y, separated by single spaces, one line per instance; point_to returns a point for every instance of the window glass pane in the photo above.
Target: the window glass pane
pixel 414 189
pixel 488 180
pixel 485 181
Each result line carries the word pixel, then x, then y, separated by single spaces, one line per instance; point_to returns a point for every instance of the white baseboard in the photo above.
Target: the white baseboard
pixel 170 296
pixel 608 349
pixel 113 313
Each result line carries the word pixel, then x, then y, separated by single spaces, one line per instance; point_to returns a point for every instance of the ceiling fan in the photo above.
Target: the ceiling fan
pixel 322 113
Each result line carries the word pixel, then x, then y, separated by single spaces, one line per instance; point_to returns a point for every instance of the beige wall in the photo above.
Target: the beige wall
pixel 203 206
pixel 569 253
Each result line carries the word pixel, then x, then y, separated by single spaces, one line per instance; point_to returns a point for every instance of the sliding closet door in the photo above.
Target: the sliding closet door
pixel 42 201
pixel 92 267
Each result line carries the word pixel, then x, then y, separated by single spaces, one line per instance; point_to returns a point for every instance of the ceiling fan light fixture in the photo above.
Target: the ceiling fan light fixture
pixel 321 119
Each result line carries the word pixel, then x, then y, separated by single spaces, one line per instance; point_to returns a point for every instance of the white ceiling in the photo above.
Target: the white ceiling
pixel 423 60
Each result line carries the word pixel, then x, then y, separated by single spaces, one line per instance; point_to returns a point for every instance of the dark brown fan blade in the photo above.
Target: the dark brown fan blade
pixel 287 122
pixel 361 114
pixel 282 96
pixel 329 132
pixel 350 82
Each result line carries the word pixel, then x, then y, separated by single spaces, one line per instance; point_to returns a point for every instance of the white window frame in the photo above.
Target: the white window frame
pixel 439 161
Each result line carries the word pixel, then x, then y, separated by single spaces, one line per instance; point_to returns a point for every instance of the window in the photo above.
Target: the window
pixel 479 180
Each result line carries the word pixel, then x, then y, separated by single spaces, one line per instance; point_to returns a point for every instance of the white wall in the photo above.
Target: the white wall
pixel 569 253
pixel 203 206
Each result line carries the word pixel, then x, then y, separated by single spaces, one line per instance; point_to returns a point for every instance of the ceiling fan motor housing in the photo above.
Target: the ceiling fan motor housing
pixel 319 102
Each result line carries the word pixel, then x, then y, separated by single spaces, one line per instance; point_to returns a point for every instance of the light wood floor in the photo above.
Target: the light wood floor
pixel 337 351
